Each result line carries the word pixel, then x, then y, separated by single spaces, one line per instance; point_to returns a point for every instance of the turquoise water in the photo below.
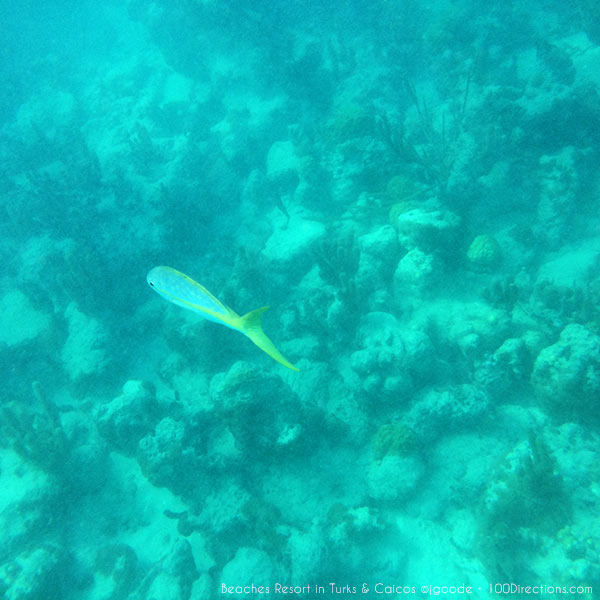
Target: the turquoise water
pixel 412 188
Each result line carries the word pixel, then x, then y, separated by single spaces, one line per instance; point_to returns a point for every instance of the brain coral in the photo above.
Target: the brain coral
pixel 484 253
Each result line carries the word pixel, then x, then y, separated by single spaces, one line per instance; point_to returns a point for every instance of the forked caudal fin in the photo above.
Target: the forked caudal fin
pixel 250 326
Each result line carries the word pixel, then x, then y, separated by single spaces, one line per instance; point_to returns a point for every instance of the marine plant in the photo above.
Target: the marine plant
pixel 526 502
pixel 560 305
pixel 35 431
pixel 337 255
pixel 502 292
pixel 433 146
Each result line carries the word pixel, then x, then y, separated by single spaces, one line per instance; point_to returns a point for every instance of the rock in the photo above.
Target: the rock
pixel 127 418
pixel 292 242
pixel 33 574
pixel 394 477
pixel 261 411
pixel 427 226
pixel 164 458
pixel 26 492
pixel 446 410
pixel 84 352
pixel 281 159
pixel 566 375
pixel 416 271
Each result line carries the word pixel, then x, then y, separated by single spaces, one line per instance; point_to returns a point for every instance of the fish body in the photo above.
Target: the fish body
pixel 178 288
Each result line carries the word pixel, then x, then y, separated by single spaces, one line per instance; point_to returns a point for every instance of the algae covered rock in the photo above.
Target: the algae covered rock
pixel 474 327
pixel 427 226
pixel 416 271
pixel 165 459
pixel 566 375
pixel 261 411
pixel 389 357
pixel 447 409
pixel 117 564
pixel 378 250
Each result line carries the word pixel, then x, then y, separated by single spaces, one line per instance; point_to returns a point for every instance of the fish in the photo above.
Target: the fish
pixel 178 288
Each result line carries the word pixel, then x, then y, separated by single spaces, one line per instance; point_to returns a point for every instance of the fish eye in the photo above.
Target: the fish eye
pixel 152 283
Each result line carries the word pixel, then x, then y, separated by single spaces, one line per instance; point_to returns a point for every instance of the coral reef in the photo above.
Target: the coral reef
pixel 414 190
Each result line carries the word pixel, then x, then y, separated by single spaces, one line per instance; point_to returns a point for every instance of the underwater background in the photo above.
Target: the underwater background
pixel 414 190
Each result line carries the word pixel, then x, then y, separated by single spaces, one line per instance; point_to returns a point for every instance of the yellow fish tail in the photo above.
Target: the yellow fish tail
pixel 250 325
